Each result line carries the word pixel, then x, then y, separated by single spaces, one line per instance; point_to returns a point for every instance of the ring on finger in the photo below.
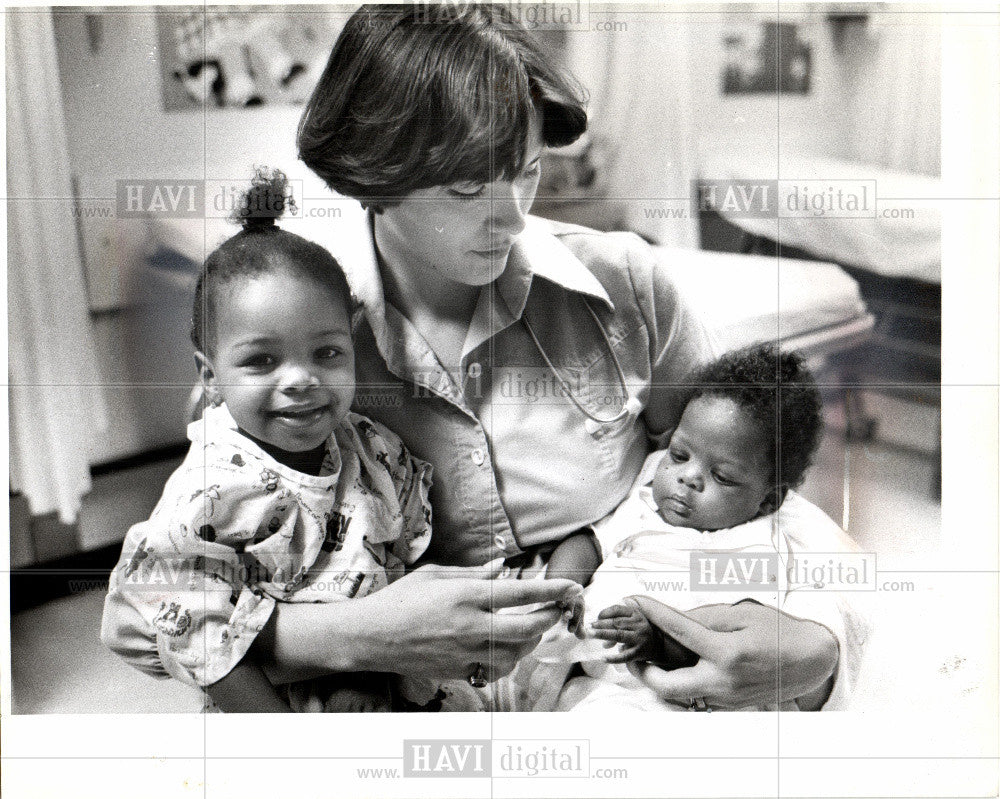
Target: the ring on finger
pixel 478 677
pixel 699 705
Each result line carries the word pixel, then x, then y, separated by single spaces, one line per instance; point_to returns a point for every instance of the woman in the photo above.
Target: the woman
pixel 531 364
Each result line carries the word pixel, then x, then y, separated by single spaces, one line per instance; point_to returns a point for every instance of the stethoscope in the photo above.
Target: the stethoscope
pixel 630 406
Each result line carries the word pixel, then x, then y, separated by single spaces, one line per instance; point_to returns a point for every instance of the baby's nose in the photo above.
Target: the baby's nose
pixel 691 477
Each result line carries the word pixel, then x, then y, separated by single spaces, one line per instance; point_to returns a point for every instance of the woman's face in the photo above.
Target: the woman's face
pixel 462 232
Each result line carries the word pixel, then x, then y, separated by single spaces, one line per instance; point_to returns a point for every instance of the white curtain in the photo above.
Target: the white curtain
pixel 641 104
pixel 896 107
pixel 56 404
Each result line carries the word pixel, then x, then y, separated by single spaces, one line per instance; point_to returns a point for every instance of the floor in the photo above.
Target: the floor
pixel 886 503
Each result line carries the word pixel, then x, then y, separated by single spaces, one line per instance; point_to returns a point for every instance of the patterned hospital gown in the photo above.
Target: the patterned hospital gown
pixel 236 532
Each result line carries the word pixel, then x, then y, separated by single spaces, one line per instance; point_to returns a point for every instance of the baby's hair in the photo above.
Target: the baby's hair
pixel 779 393
pixel 261 248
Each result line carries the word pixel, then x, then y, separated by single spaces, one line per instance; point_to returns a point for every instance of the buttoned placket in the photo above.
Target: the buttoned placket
pixel 415 362
pixel 408 357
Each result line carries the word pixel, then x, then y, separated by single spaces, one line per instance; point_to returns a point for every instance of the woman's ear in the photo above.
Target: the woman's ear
pixel 208 380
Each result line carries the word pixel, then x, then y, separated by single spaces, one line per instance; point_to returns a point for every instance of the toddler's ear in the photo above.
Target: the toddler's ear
pixel 204 366
pixel 207 374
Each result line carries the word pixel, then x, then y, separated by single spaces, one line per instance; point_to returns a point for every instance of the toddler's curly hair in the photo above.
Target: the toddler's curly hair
pixel 779 393
pixel 262 247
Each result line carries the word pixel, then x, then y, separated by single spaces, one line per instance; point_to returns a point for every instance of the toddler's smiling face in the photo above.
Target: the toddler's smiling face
pixel 282 358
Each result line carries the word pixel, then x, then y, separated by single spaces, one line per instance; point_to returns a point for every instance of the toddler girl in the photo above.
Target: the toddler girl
pixel 285 495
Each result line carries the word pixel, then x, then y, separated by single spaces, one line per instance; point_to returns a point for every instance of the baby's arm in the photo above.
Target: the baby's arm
pixel 626 625
pixel 575 558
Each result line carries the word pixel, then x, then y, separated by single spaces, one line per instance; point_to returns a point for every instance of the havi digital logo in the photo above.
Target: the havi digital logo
pixel 446 758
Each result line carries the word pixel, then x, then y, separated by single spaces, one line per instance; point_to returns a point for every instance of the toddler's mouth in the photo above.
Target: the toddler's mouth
pixel 300 417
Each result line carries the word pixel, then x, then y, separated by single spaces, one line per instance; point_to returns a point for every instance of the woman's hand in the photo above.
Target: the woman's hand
pixel 746 653
pixel 445 621
pixel 436 622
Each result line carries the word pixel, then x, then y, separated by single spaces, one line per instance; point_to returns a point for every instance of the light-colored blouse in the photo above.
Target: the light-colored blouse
pixel 517 465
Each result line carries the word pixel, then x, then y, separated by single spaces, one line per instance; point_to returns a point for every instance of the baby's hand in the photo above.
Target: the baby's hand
pixel 626 626
pixel 573 613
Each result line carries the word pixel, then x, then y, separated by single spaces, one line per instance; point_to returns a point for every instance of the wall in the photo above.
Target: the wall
pixel 812 123
pixel 656 98
pixel 117 129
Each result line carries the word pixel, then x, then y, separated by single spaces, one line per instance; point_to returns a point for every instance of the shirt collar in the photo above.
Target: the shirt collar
pixel 536 252
pixel 355 252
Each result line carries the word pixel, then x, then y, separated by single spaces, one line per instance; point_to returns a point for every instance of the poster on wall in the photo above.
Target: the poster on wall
pixel 769 57
pixel 232 58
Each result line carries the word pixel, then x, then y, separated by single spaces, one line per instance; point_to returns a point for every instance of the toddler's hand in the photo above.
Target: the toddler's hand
pixel 626 626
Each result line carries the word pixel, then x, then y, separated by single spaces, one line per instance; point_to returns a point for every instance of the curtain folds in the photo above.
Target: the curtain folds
pixel 56 401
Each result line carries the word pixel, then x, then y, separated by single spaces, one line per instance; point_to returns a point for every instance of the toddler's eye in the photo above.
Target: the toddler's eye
pixel 533 170
pixel 677 456
pixel 258 361
pixel 328 353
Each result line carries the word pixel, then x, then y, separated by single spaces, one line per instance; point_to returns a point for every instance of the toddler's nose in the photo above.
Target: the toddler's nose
pixel 298 378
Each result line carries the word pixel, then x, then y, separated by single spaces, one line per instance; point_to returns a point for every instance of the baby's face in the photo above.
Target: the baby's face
pixel 716 472
pixel 283 359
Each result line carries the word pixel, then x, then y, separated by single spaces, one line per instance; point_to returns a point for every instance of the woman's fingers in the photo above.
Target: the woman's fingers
pixel 680 686
pixel 514 593
pixel 514 627
pixel 720 617
pixel 685 631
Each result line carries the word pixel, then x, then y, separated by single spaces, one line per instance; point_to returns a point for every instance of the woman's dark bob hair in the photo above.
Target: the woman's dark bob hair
pixel 426 95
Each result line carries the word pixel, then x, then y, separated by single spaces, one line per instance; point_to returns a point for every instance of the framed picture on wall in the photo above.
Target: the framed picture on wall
pixel 769 57
pixel 239 58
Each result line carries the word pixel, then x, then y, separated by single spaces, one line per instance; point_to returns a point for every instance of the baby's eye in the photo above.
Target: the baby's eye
pixel 532 170
pixel 467 190
pixel 258 361
pixel 722 479
pixel 678 456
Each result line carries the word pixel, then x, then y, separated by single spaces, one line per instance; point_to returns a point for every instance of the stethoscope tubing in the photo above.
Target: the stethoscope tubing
pixel 626 397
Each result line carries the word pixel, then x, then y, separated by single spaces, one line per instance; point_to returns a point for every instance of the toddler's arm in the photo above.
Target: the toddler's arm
pixel 576 558
pixel 245 689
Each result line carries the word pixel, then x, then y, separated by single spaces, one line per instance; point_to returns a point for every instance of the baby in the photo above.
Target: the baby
pixel 747 434
pixel 284 496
